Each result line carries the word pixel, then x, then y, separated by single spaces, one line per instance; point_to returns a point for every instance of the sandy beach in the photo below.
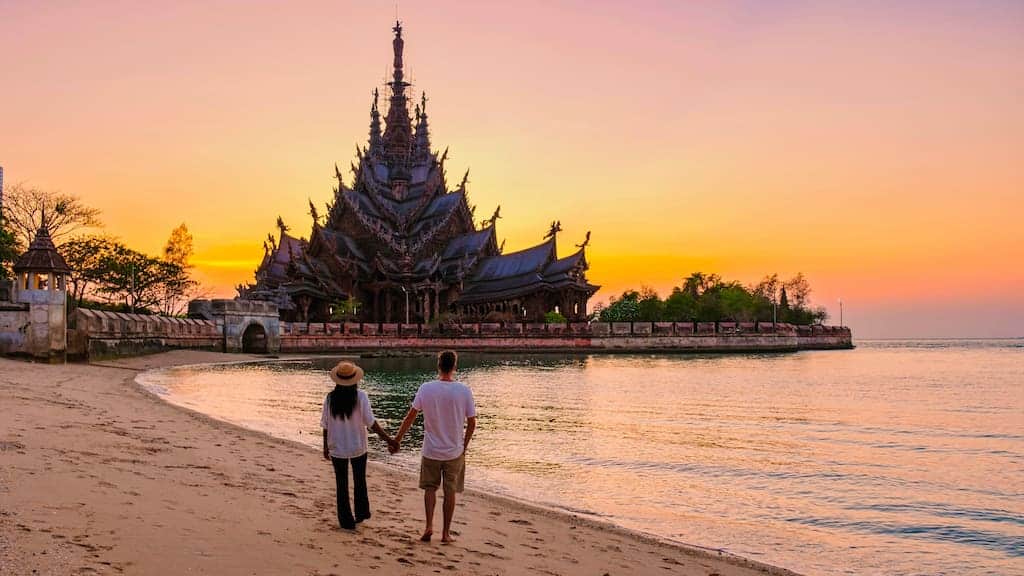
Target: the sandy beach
pixel 97 476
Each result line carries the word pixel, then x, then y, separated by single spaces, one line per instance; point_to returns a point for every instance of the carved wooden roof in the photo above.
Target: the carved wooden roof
pixel 42 256
pixel 398 221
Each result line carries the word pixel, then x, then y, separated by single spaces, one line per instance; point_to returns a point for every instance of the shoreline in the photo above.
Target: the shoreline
pixel 538 539
pixel 550 509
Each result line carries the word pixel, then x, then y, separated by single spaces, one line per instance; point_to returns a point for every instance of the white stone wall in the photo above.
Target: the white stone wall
pixel 14 323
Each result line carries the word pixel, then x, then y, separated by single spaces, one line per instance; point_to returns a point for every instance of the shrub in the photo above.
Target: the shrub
pixel 554 318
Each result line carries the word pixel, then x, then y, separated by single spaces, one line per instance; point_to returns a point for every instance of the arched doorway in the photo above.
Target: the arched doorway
pixel 254 339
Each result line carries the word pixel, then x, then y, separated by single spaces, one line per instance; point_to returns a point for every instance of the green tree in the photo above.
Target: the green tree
pixel 767 288
pixel 84 255
pixel 135 280
pixel 736 303
pixel 179 248
pixel 783 312
pixel 179 288
pixel 623 309
pixel 819 315
pixel 765 294
pixel 345 310
pixel 9 250
pixel 650 308
pixel 554 318
pixel 708 298
pixel 807 315
pixel 680 306
pixel 709 305
pixel 698 283
pixel 798 290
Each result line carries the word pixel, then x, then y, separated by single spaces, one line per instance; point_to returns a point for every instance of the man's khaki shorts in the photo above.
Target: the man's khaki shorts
pixel 451 472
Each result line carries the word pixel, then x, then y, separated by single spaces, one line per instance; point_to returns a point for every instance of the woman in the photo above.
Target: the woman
pixel 346 416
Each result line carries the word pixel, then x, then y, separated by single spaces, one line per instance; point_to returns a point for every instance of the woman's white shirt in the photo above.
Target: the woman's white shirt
pixel 346 438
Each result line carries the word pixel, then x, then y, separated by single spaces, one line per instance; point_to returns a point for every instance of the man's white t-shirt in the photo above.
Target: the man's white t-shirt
pixel 445 407
pixel 347 438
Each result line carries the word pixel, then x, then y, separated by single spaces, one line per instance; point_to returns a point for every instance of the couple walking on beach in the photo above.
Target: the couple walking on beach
pixel 449 420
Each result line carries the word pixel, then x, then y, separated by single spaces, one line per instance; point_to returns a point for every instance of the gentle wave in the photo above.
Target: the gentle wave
pixel 792 478
pixel 996 541
pixel 939 509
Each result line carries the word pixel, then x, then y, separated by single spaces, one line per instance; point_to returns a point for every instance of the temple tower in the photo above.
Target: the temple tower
pixel 404 245
pixel 398 132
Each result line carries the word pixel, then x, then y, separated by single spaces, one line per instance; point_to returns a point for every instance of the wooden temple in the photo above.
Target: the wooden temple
pixel 399 244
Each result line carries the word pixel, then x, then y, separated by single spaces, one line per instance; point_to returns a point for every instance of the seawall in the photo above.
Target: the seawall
pixel 664 337
pixel 97 334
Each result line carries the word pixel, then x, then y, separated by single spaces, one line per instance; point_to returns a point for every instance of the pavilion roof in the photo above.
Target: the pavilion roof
pixel 42 255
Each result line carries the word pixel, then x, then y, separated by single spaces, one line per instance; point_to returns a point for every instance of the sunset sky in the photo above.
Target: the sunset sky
pixel 877 147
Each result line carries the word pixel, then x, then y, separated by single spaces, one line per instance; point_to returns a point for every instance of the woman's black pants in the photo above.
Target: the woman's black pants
pixel 362 500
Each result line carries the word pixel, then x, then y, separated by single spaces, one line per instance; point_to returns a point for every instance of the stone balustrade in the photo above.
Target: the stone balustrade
pixel 598 329
pixel 576 336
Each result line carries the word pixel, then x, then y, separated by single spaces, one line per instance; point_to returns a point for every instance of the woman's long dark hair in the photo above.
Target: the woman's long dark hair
pixel 344 400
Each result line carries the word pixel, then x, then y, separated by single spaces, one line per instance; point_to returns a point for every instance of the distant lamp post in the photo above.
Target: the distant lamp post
pixel 406 304
pixel 840 312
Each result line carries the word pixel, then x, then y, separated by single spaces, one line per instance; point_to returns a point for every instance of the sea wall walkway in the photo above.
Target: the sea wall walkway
pixel 572 337
pixel 97 334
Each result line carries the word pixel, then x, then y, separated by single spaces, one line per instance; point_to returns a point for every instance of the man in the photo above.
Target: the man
pixel 447 407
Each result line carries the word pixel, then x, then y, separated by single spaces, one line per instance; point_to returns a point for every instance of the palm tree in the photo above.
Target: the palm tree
pixel 695 284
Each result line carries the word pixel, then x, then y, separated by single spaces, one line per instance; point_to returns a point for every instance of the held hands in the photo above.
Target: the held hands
pixel 393 445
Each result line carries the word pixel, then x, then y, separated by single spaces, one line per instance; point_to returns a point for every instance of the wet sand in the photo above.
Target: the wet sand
pixel 97 476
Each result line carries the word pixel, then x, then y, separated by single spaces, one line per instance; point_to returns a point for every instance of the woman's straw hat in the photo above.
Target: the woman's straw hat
pixel 346 374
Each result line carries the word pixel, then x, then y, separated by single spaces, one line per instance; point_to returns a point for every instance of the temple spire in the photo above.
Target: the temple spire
pixel 398 45
pixel 398 132
pixel 376 140
pixel 421 150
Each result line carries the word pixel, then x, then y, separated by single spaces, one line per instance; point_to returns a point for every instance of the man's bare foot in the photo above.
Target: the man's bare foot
pixel 426 536
pixel 447 539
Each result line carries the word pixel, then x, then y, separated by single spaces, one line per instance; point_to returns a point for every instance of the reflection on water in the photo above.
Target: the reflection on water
pixel 896 458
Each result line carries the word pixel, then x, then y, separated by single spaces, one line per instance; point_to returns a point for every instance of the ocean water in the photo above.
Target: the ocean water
pixel 894 458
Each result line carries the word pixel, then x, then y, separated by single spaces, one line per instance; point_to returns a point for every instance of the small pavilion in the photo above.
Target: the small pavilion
pixel 40 286
pixel 41 268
